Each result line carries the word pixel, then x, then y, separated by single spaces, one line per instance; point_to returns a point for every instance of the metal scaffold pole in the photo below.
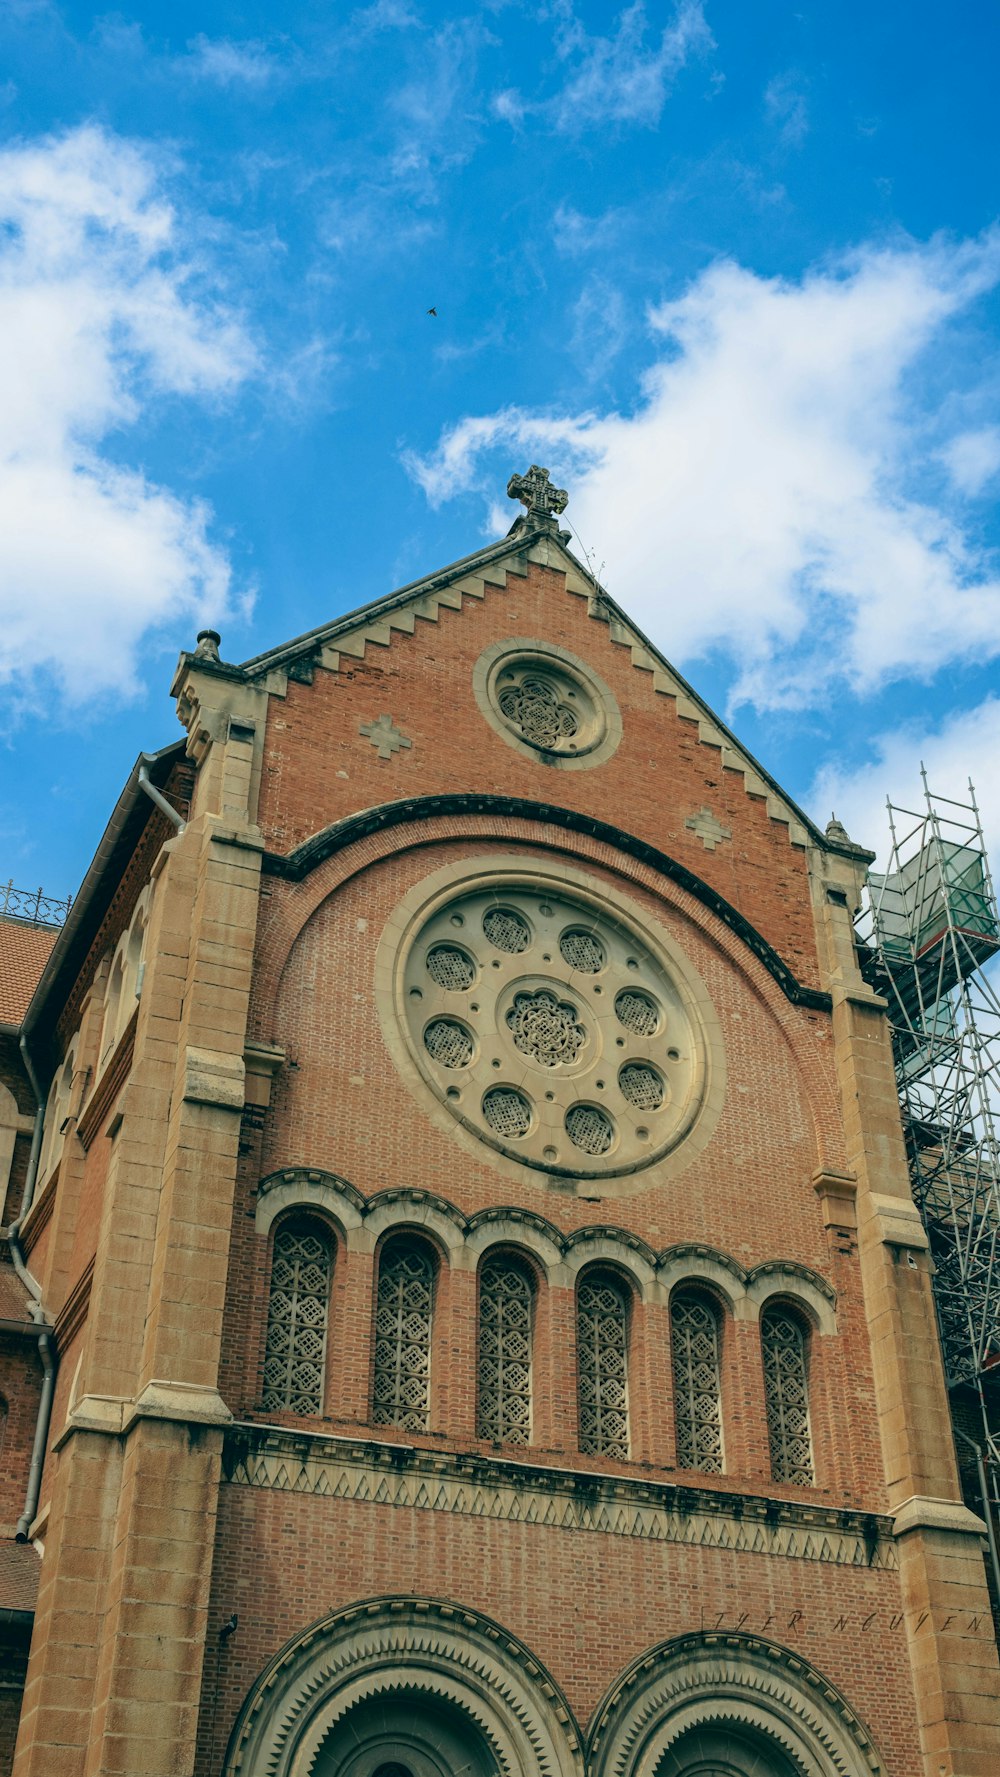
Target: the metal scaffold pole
pixel 927 938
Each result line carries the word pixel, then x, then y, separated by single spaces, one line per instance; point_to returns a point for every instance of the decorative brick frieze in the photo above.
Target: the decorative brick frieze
pixel 529 1493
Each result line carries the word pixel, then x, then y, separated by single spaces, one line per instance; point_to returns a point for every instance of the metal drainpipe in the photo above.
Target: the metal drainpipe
pixel 47 1354
pixel 28 1194
pixel 158 797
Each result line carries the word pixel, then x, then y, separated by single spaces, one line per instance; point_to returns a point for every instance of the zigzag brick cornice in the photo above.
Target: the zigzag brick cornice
pixel 372 1473
pixel 511 1218
pixel 376 626
pixel 297 864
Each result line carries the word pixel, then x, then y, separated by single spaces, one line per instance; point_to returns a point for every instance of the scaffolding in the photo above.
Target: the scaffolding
pixel 927 935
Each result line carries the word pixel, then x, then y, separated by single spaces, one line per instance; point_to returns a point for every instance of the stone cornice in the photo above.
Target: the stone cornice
pixel 375 1473
pixel 297 864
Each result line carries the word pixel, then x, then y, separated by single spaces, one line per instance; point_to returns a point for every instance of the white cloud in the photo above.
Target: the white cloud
pixel 973 459
pixel 786 108
pixel 101 317
pixel 623 78
pixel 759 501
pixel 964 745
pixel 226 63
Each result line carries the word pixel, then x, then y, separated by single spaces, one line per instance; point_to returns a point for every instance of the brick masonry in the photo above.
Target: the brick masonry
pixel 153 1242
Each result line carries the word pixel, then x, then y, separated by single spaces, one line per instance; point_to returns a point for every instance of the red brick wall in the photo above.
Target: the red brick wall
pixel 319 768
pixel 20 1384
pixel 585 1604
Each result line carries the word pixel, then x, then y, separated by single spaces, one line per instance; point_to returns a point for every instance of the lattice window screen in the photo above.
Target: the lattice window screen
pixel 402 1393
pixel 697 1390
pixel 295 1354
pixel 505 1353
pixel 602 1358
pixel 786 1388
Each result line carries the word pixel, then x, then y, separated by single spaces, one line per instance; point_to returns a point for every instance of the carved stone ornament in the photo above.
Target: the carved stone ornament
pixel 537 495
pixel 547 704
pixel 551 1026
pixel 764 1707
pixel 393 1674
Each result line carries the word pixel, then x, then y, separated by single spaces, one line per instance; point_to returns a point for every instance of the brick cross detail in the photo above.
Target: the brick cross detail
pixel 384 735
pixel 709 830
pixel 536 493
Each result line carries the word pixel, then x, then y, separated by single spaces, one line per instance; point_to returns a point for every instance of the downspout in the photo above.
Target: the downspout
pixel 160 800
pixel 46 1352
pixel 28 1194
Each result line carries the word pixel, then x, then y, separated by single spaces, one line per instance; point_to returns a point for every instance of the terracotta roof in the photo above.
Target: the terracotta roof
pixel 14 1297
pixel 19 1568
pixel 24 952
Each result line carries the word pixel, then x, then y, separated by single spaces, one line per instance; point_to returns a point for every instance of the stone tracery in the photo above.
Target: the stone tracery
pixel 546 1022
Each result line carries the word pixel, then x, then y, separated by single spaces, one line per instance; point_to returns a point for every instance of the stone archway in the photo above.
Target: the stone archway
pixel 417 1684
pixel 727 1706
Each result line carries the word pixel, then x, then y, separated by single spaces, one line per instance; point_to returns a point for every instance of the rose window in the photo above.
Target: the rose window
pixel 546 1029
pixel 549 1026
pixel 545 703
pixel 532 704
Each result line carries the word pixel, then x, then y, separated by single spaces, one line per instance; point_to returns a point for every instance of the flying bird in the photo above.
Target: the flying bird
pixel 432 311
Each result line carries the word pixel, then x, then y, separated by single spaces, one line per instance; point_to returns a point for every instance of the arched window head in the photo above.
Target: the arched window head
pixel 694 1333
pixel 505 1309
pixel 403 1306
pixel 295 1357
pixel 112 1005
pixel 783 1345
pixel 602 1365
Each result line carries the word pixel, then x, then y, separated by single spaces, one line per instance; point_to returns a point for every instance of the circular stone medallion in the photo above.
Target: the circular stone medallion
pixel 547 703
pixel 558 1031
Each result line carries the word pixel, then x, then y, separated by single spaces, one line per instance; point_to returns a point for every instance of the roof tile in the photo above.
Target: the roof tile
pixel 24 952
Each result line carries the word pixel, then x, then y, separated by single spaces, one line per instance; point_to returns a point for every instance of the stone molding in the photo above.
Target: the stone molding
pixel 303 859
pixel 607 715
pixel 465 1239
pixel 923 1513
pixel 430 1648
pixel 737 1680
pixel 115 1415
pixel 373 1473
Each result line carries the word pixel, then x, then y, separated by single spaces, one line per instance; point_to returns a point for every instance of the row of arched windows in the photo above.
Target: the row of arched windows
pixel 295 1354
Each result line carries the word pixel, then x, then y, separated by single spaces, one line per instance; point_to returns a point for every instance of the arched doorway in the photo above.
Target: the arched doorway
pixel 721 1750
pixel 404 1687
pixel 405 1734
pixel 733 1706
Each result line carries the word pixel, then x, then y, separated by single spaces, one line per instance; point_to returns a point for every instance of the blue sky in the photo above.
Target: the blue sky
pixel 730 271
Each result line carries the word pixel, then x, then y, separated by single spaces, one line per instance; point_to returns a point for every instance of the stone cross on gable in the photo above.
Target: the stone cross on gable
pixel 536 493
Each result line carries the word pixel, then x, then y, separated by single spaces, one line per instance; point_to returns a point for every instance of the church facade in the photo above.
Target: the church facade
pixel 472 1310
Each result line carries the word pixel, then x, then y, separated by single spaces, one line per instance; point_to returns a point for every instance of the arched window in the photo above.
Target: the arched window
pixel 402 1393
pixel 56 1112
pixel 694 1332
pixel 505 1305
pixel 112 1005
pixel 602 1364
pixel 783 1344
pixel 295 1356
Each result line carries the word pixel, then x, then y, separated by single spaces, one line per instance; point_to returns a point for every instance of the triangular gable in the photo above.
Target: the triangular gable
pixel 376 624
